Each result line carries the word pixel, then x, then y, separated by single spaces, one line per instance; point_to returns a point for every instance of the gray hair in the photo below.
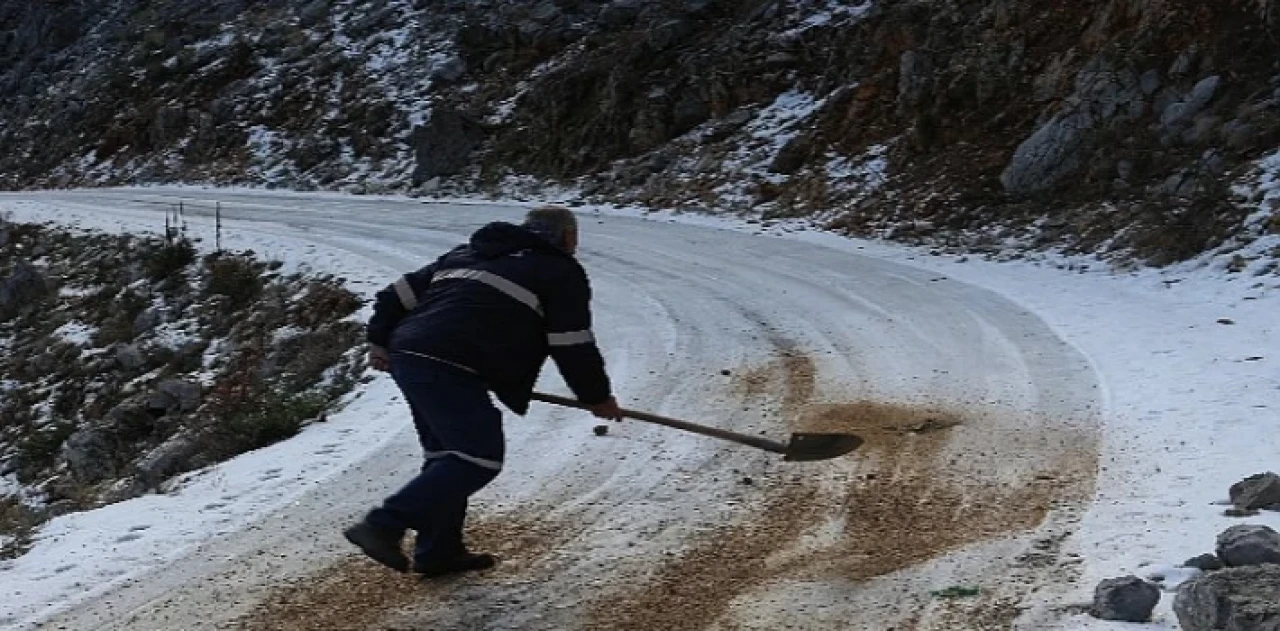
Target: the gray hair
pixel 554 223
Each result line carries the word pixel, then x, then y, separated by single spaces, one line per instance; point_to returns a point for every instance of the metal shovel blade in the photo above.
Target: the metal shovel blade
pixel 805 447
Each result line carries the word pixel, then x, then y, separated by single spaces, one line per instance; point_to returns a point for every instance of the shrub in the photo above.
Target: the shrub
pixel 268 418
pixel 171 259
pixel 323 302
pixel 235 277
pixel 38 449
pixel 17 521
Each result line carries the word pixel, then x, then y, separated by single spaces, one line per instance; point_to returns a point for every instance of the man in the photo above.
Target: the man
pixel 482 318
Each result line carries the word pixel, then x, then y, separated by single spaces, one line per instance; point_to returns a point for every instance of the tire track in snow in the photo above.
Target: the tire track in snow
pixel 901 508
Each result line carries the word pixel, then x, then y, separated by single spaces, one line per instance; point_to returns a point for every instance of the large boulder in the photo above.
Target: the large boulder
pixel 444 144
pixel 1249 545
pixel 1234 599
pixel 1056 150
pixel 185 394
pixel 170 458
pixel 1257 492
pixel 89 453
pixel 1127 599
pixel 1193 104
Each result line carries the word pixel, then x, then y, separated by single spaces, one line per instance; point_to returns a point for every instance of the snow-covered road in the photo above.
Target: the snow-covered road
pixel 984 431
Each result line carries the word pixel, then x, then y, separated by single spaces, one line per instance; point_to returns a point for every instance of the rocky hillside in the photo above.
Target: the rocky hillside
pixel 1134 128
pixel 127 360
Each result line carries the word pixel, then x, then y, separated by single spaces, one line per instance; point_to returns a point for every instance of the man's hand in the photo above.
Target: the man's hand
pixel 379 358
pixel 607 410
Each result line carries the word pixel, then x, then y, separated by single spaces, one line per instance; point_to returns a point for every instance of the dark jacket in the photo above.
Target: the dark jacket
pixel 498 306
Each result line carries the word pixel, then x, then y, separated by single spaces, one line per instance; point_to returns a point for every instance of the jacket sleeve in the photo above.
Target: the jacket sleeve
pixel 572 343
pixel 396 301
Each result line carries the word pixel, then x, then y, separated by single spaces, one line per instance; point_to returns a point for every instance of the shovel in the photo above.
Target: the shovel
pixel 803 447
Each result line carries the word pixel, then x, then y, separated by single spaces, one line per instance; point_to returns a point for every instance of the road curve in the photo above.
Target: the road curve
pixel 982 430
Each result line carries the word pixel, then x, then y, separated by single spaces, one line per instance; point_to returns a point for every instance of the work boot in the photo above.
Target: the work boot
pixel 379 544
pixel 455 564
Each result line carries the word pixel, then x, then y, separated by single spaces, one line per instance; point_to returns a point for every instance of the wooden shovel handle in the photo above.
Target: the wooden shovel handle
pixel 743 439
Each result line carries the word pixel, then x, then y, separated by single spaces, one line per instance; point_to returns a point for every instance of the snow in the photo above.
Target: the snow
pixel 1190 403
pixel 96 550
pixel 9 485
pixel 825 12
pixel 779 121
pixel 177 334
pixel 76 332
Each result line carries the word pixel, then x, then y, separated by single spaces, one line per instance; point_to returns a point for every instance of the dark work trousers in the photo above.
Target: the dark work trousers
pixel 461 435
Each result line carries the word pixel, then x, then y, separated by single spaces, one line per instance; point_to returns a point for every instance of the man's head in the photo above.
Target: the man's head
pixel 556 224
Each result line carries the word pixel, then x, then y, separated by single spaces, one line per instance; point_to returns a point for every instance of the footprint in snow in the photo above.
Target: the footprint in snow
pixel 213 506
pixel 139 528
pixel 130 537
pixel 64 568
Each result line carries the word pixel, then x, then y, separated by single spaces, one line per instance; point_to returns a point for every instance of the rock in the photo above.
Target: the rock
pixel 444 144
pixel 1238 135
pixel 1234 599
pixel 128 413
pixel 1208 562
pixel 792 155
pixel 689 112
pixel 1182 65
pixel 1239 512
pixel 1055 150
pixel 130 357
pixel 1048 155
pixel 88 454
pixel 695 7
pixel 170 458
pixel 619 14
pixel 122 490
pixel 147 320
pixel 1257 491
pixel 1150 82
pixel 1127 599
pixel 160 403
pixel 1204 91
pixel 449 70
pixel 545 12
pixel 44 364
pixel 781 58
pixel 1185 110
pixel 24 286
pixel 1249 545
pixel 601 430
pixel 669 34
pixel 1202 131
pixel 915 78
